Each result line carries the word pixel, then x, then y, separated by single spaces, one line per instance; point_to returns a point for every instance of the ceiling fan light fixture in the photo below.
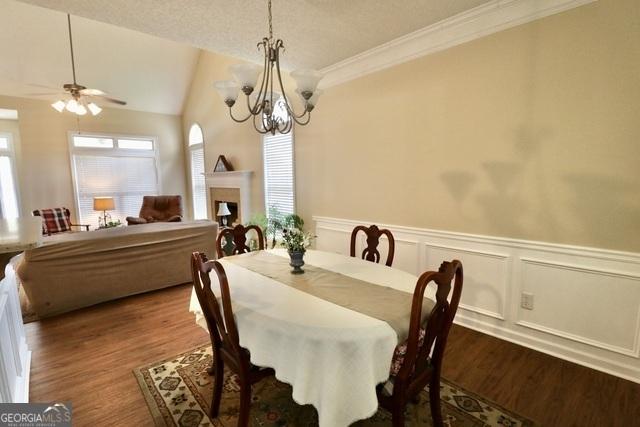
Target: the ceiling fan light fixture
pixel 81 110
pixel 59 106
pixel 95 110
pixel 72 105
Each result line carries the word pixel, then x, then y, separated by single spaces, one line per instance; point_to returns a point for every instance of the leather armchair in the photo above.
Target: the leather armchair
pixel 158 209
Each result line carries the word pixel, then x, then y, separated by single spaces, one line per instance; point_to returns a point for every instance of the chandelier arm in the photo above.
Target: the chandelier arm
pixel 300 122
pixel 238 120
pixel 284 94
pixel 255 126
pixel 255 109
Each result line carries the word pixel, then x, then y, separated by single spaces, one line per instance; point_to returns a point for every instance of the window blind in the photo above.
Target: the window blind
pixel 198 187
pixel 125 178
pixel 279 186
pixel 8 199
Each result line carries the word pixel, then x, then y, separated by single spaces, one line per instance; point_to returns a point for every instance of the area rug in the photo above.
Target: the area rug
pixel 178 393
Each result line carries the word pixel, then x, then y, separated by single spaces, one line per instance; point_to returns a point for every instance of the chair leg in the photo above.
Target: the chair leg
pixel 245 403
pixel 218 382
pixel 397 416
pixel 434 401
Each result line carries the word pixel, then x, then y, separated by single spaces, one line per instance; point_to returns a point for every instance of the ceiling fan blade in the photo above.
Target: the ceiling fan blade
pixel 92 92
pixel 43 94
pixel 112 100
pixel 43 86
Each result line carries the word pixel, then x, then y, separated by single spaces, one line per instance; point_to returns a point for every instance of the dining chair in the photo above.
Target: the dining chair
pixel 236 240
pixel 371 253
pixel 418 361
pixel 223 333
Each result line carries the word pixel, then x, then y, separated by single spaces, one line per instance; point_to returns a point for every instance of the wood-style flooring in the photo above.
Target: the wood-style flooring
pixel 87 357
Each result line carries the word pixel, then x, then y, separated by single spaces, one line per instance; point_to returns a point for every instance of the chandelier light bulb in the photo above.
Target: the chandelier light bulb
pixel 228 90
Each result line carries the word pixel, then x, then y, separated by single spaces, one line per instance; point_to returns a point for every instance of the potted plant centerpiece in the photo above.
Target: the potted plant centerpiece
pixel 296 240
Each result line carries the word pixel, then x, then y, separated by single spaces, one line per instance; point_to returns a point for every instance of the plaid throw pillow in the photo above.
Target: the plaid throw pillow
pixel 54 220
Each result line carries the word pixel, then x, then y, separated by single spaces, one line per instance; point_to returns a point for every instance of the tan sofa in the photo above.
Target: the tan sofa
pixel 74 270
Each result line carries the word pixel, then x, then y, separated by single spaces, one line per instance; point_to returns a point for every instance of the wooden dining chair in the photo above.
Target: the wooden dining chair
pixel 371 253
pixel 223 333
pixel 235 239
pixel 418 361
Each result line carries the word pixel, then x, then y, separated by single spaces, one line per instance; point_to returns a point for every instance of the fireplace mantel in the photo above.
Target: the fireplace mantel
pixel 233 179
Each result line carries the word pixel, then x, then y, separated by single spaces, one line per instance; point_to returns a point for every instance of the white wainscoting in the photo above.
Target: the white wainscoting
pixel 15 357
pixel 586 300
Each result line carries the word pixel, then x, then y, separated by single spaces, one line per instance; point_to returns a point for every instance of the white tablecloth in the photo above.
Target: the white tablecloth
pixel 333 357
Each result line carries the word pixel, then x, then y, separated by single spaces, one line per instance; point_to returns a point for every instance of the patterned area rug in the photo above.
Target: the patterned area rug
pixel 178 392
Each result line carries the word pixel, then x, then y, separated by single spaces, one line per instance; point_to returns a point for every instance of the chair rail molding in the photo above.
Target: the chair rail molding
pixel 488 18
pixel 586 300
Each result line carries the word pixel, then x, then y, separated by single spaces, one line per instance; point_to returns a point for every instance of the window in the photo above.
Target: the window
pixel 8 191
pixel 196 160
pixel 279 188
pixel 109 166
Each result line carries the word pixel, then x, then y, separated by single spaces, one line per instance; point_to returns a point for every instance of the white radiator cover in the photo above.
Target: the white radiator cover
pixel 586 300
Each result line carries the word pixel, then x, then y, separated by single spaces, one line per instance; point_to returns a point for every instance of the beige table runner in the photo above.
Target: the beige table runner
pixel 381 302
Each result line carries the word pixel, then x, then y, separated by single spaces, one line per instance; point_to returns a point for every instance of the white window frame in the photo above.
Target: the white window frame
pixel 190 149
pixel 10 152
pixel 293 168
pixel 111 152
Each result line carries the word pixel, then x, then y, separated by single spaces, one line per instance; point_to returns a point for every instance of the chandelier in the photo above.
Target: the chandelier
pixel 270 110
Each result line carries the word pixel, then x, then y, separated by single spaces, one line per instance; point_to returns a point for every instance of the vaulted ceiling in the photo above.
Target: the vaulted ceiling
pixel 150 73
pixel 317 33
pixel 145 51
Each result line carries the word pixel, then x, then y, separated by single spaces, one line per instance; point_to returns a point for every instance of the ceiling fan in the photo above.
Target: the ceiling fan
pixel 81 99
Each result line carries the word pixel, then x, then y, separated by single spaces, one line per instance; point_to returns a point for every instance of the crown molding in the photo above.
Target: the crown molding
pixel 488 18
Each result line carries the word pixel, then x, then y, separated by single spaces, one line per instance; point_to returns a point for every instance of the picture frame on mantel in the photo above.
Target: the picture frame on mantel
pixel 222 165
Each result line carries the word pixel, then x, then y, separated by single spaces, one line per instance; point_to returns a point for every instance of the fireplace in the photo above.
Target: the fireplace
pixel 234 188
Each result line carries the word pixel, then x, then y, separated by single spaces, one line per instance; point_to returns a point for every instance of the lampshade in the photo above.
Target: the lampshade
pixel 246 74
pixel 103 204
pixel 228 89
pixel 81 110
pixel 72 105
pixel 223 209
pixel 307 80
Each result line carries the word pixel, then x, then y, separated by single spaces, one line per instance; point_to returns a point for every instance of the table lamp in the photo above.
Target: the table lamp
pixel 103 204
pixel 223 211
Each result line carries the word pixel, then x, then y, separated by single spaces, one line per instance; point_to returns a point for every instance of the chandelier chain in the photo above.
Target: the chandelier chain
pixel 270 24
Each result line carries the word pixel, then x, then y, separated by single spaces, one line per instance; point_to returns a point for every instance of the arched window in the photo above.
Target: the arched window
pixel 196 161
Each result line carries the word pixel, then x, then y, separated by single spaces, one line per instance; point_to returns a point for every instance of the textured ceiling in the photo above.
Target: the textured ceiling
pixel 150 73
pixel 317 33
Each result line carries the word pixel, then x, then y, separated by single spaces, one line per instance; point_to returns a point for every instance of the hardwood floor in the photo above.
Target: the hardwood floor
pixel 87 357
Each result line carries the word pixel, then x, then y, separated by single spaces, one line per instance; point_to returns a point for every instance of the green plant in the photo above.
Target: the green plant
pixel 295 239
pixel 275 223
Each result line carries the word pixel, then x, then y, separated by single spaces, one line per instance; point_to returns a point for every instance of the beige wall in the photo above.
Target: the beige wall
pixel 239 143
pixel 43 162
pixel 529 133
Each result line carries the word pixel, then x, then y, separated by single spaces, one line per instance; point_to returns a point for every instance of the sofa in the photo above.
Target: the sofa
pixel 74 270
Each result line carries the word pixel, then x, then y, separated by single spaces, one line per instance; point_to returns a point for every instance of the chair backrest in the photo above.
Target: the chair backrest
pixel 371 253
pixel 54 220
pixel 161 208
pixel 223 330
pixel 236 240
pixel 428 352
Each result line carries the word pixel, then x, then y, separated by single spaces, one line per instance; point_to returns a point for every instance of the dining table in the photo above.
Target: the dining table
pixel 330 333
